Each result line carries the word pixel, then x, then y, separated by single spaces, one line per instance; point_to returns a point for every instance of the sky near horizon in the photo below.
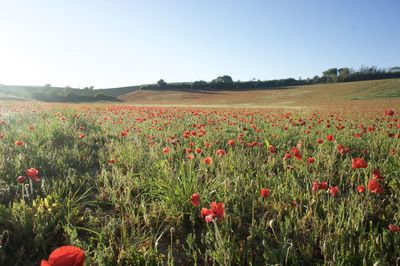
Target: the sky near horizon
pixel 120 43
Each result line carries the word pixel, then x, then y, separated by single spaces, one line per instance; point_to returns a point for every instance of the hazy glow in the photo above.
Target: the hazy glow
pixel 119 43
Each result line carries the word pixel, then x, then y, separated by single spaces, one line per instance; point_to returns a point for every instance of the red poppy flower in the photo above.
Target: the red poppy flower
pixel 310 160
pixel 265 192
pixel 394 228
pixel 65 256
pixel 207 145
pixel 315 186
pixel 319 186
pixel 207 214
pixel 374 186
pixel 287 156
pixel 330 137
pixel 323 185
pixel 208 160
pixel 186 134
pixel 389 112
pixel 252 144
pixel 333 190
pixel 216 211
pixel 231 142
pixel 358 163
pixel 190 156
pixel 376 174
pixel 19 143
pixel 123 133
pixel 320 141
pixel 296 153
pixel 32 173
pixel 360 189
pixel 195 199
pixel 165 150
pixel 112 161
pixel 220 152
pixel 342 150
pixel 198 150
pixel 81 136
pixel 272 149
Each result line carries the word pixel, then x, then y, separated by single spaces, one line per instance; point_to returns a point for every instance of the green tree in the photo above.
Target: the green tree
pixel 343 73
pixel 200 84
pixel 331 74
pixel 223 82
pixel 161 83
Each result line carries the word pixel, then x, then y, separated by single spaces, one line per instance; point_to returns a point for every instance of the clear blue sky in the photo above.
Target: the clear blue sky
pixel 120 43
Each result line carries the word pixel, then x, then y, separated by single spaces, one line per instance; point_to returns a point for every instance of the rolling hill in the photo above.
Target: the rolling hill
pixel 376 91
pixel 184 95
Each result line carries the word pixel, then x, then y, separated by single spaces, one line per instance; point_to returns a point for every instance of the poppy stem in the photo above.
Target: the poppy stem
pixel 31 185
pixel 26 191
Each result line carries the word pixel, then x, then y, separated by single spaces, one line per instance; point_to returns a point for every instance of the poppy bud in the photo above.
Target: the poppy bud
pixel 195 199
pixel 19 143
pixel 21 179
pixel 394 228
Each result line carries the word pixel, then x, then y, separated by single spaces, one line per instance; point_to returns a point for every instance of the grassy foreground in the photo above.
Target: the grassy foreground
pixel 134 185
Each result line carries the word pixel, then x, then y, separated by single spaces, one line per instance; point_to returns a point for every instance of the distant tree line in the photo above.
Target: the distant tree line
pixel 69 95
pixel 364 73
pixel 331 75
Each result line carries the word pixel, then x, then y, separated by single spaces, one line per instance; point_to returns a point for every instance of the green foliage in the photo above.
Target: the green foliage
pixel 161 83
pixel 200 84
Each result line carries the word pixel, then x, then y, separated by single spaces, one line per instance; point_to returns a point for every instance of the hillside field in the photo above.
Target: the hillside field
pixel 182 94
pixel 375 93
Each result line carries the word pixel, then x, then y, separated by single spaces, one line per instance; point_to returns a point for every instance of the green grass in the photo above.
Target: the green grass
pixel 137 211
pixel 382 89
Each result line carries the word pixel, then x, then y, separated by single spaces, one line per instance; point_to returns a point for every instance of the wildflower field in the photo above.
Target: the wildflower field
pixel 183 186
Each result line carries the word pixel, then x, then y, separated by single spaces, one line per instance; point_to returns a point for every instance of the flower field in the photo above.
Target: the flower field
pixel 182 186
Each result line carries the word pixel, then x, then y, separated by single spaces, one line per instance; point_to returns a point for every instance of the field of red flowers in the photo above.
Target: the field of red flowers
pixel 180 186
